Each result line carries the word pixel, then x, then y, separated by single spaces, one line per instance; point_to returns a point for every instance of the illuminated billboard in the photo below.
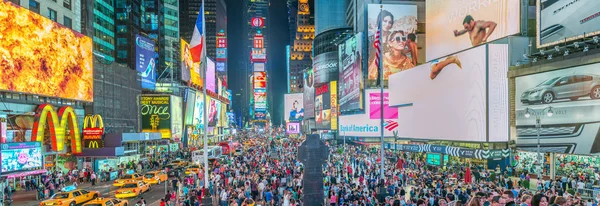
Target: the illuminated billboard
pixel 260 80
pixel 573 97
pixel 190 71
pixel 325 67
pixel 22 156
pixel 368 124
pixel 398 32
pixel 452 27
pixel 156 114
pixel 41 57
pixel 560 21
pixel 260 99
pixel 259 67
pixel 176 118
pixel 292 128
pixel 199 110
pixel 294 107
pixel 59 122
pixel 463 97
pixel 350 74
pixel 309 94
pixel 210 75
pixel 258 55
pixel 323 107
pixel 221 54
pixel 145 63
pixel 213 112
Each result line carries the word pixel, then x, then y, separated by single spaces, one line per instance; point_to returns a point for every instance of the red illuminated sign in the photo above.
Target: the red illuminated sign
pixel 322 89
pixel 258 22
pixel 221 42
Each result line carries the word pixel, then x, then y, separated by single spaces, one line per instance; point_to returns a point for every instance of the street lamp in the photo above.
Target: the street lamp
pixel 538 126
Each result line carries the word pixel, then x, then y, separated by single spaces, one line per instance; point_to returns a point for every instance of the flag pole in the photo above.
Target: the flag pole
pixel 380 68
pixel 205 116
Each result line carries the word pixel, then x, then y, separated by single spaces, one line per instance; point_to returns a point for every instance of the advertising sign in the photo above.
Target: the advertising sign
pixel 258 55
pixel 190 101
pixel 573 96
pixel 259 67
pixel 145 61
pixel 156 114
pixel 176 118
pixel 362 125
pixel 325 67
pixel 93 127
pixel 323 106
pixel 210 75
pixel 309 94
pixel 453 27
pixel 93 143
pixel 190 71
pixel 292 128
pixel 221 67
pixel 221 54
pixel 260 80
pixel 398 32
pixel 334 105
pixel 213 112
pixel 199 110
pixel 221 42
pixel 294 107
pixel 43 58
pixel 21 156
pixel 258 22
pixel 58 124
pixel 375 105
pixel 560 21
pixel 350 74
pixel 260 99
pixel 464 81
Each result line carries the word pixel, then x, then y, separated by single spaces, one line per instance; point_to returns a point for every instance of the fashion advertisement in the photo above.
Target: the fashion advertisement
pixel 190 71
pixel 453 26
pixel 309 94
pixel 561 21
pixel 176 118
pixel 213 112
pixel 199 111
pixel 398 38
pixel 294 107
pixel 350 74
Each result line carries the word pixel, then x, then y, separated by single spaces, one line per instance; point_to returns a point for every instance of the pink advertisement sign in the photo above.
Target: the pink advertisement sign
pixel 375 107
pixel 210 75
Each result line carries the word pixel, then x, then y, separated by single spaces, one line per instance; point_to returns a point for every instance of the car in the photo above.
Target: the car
pixel 155 177
pixel 129 178
pixel 570 87
pixel 133 189
pixel 107 201
pixel 179 163
pixel 70 198
pixel 192 168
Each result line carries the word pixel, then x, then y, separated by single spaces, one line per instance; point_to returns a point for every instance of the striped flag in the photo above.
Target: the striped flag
pixel 197 42
pixel 390 125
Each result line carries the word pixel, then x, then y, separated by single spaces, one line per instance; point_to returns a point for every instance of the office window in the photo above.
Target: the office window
pixel 67 4
pixel 67 22
pixel 34 6
pixel 17 2
pixel 51 14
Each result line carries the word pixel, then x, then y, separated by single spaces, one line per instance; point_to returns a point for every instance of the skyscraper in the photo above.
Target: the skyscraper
pixel 300 50
pixel 257 32
pixel 168 41
pixel 127 22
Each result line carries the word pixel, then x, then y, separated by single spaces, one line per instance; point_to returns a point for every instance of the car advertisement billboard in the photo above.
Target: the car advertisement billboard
pixel 453 27
pixel 398 32
pixel 199 110
pixel 560 21
pixel 22 156
pixel 325 67
pixel 309 94
pixel 362 125
pixel 461 79
pixel 292 128
pixel 190 71
pixel 41 57
pixel 573 97
pixel 350 74
pixel 325 104
pixel 210 75
pixel 294 107
pixel 155 111
pixel 176 118
pixel 260 80
pixel 145 63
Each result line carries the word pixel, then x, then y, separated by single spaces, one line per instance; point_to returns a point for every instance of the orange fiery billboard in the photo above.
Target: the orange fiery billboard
pixel 41 57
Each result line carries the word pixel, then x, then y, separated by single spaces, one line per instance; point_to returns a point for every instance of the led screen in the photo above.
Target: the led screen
pixel 210 75
pixel 190 71
pixel 560 21
pixel 309 94
pixel 292 128
pixel 350 74
pixel 145 63
pixel 368 124
pixel 294 107
pixel 21 157
pixel 325 67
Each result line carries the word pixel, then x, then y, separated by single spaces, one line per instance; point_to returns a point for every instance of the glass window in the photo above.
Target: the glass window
pixel 51 14
pixel 66 4
pixel 122 29
pixel 121 16
pixel 34 6
pixel 121 41
pixel 122 54
pixel 67 22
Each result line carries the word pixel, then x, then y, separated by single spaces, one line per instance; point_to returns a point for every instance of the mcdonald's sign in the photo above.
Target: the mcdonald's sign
pixel 94 143
pixel 46 115
pixel 93 127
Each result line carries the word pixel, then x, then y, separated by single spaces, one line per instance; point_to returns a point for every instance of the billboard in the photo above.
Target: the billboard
pixel 59 122
pixel 260 99
pixel 325 67
pixel 176 118
pixel 375 106
pixel 453 95
pixel 260 80
pixel 350 74
pixel 259 67
pixel 190 101
pixel 258 55
pixel 213 111
pixel 452 27
pixel 221 54
pixel 258 22
pixel 146 61
pixel 323 106
pixel 292 128
pixel 398 32
pixel 41 57
pixel 309 94
pixel 210 75
pixel 221 68
pixel 362 125
pixel 199 110
pixel 334 105
pixel 560 21
pixel 294 107
pixel 573 95
pixel 22 156
pixel 156 114
pixel 190 71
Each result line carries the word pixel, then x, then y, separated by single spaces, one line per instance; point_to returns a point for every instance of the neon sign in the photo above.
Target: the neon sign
pixel 58 129
pixel 93 130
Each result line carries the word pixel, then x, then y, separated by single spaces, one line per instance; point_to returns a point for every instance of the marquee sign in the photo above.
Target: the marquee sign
pixel 46 115
pixel 93 127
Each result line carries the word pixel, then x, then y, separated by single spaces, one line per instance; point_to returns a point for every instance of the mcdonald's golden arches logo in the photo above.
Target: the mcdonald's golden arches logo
pixel 94 143
pixel 46 114
pixel 93 127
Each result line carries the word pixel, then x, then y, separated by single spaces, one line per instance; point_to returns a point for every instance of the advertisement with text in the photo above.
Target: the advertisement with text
pixel 567 101
pixel 146 59
pixel 350 74
pixel 453 26
pixel 176 118
pixel 190 71
pixel 398 38
pixel 213 111
pixel 294 107
pixel 309 94
pixel 365 125
pixel 560 21
pixel 155 111
pixel 190 102
pixel 292 128
pixel 325 67
pixel 199 110
pixel 41 57
pixel 21 156
pixel 323 107
pixel 260 100
pixel 260 80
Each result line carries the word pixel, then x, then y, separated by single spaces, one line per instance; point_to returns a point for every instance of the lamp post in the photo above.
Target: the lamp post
pixel 538 126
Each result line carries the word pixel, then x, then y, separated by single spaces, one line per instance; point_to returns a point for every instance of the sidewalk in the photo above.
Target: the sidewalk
pixel 28 197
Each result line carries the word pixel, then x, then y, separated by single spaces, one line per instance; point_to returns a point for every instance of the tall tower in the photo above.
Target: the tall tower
pixel 300 50
pixel 257 33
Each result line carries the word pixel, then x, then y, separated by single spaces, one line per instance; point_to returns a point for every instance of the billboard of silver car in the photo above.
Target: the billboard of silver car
pixel 560 21
pixel 573 96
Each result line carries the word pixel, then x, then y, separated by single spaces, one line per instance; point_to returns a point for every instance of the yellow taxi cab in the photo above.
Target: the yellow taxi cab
pixel 250 142
pixel 70 198
pixel 192 168
pixel 179 162
pixel 107 201
pixel 155 177
pixel 128 178
pixel 132 189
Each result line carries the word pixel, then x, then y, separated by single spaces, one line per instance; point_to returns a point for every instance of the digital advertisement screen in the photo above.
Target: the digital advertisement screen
pixel 560 21
pixel 21 156
pixel 434 159
pixel 323 106
pixel 292 128
pixel 573 95
pixel 210 75
pixel 398 32
pixel 260 100
pixel 453 27
pixel 213 112
pixel 41 57
pixel 259 54
pixel 190 71
pixel 199 110
pixel 325 67
pixel 334 105
pixel 294 107
pixel 146 58
pixel 309 94
pixel 176 118
pixel 155 111
pixel 362 125
pixel 350 74
pixel 259 67
pixel 190 102
pixel 260 80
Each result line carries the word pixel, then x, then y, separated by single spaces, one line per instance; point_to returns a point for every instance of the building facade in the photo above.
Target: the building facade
pixel 65 12
pixel 168 41
pixel 300 50
pixel 330 15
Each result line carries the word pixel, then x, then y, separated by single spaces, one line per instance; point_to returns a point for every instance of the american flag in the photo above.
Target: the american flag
pixel 377 44
pixel 390 125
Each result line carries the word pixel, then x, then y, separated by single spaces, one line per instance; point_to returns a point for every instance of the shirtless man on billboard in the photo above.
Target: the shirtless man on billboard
pixel 479 31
